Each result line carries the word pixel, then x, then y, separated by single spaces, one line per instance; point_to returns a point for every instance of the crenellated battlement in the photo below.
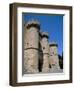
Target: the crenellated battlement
pixel 53 44
pixel 45 34
pixel 32 23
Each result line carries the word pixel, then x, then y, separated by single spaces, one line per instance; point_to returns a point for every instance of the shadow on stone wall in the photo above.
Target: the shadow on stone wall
pixel 40 63
pixel 61 61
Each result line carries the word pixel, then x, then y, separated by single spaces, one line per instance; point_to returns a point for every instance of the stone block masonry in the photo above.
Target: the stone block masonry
pixel 54 59
pixel 38 54
pixel 45 50
pixel 31 40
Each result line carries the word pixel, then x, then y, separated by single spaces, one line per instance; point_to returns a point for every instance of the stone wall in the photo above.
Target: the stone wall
pixel 31 46
pixel 39 55
pixel 45 50
pixel 54 59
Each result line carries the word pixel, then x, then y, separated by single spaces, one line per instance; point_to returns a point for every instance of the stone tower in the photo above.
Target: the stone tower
pixel 31 46
pixel 54 59
pixel 45 49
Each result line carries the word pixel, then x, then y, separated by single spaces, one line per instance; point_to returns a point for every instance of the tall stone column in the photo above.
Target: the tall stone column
pixel 54 59
pixel 31 45
pixel 45 49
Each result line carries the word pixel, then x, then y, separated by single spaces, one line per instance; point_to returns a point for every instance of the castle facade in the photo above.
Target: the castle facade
pixel 39 54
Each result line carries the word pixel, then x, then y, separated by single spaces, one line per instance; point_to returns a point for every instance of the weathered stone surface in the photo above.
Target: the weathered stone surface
pixel 31 40
pixel 45 50
pixel 30 61
pixel 45 67
pixel 54 59
pixel 39 56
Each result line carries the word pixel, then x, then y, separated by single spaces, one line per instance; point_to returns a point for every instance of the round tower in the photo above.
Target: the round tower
pixel 54 59
pixel 45 49
pixel 31 45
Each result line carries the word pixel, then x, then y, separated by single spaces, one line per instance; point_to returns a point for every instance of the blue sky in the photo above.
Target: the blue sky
pixel 53 24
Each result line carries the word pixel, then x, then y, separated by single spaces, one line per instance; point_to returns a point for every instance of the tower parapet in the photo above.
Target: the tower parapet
pixel 32 23
pixel 45 34
pixel 53 44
